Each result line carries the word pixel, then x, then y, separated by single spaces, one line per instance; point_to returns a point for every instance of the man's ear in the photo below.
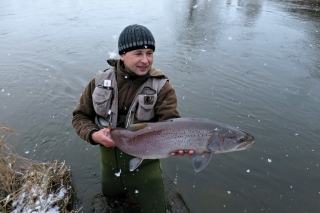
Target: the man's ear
pixel 122 57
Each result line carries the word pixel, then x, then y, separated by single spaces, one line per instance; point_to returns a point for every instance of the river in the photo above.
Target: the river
pixel 253 64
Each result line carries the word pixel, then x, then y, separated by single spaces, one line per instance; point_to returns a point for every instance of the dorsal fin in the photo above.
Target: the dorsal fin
pixel 136 127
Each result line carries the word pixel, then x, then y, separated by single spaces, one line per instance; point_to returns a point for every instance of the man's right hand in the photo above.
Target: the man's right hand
pixel 103 137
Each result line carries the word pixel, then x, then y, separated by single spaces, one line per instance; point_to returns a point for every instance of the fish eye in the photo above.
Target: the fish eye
pixel 242 139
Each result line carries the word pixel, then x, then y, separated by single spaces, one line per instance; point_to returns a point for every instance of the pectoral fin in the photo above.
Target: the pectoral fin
pixel 134 163
pixel 136 127
pixel 201 160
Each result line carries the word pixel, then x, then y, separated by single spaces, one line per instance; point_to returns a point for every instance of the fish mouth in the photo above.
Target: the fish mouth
pixel 239 147
pixel 250 138
pixel 250 144
pixel 246 145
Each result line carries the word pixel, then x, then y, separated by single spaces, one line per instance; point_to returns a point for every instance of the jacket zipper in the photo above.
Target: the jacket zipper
pixel 125 99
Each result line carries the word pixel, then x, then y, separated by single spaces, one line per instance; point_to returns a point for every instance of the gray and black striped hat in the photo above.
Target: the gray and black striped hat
pixel 135 37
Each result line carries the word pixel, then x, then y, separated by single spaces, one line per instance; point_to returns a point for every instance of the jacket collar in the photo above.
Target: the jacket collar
pixel 119 68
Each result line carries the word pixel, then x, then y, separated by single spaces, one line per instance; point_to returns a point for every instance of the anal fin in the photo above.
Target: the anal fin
pixel 134 163
pixel 200 161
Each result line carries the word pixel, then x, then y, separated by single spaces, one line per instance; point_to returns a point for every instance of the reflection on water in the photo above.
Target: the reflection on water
pixel 308 11
pixel 310 8
pixel 192 23
pixel 252 9
pixel 253 64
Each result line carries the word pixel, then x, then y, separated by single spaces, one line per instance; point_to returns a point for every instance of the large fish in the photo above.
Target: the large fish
pixel 158 140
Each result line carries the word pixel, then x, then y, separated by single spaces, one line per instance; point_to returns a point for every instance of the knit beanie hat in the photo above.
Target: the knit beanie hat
pixel 135 37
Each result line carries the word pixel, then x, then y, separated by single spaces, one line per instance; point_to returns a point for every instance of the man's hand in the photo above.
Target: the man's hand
pixel 182 152
pixel 103 137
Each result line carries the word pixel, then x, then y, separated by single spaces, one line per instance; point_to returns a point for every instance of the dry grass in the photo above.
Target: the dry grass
pixel 28 185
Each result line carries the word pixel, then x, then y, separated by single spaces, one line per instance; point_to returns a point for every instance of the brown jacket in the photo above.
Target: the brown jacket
pixel 128 84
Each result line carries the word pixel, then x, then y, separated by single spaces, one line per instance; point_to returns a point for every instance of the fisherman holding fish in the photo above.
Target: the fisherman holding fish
pixel 129 92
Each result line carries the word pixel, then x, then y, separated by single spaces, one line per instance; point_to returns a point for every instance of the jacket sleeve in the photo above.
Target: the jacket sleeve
pixel 83 115
pixel 166 105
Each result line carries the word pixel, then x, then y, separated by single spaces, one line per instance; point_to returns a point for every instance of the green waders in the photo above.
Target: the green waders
pixel 144 185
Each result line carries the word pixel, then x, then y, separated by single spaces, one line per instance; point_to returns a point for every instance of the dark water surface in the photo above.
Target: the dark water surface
pixel 251 64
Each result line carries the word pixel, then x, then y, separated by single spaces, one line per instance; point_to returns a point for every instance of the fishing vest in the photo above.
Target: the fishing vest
pixel 105 100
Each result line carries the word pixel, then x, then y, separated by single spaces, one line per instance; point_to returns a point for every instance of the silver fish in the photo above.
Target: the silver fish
pixel 158 140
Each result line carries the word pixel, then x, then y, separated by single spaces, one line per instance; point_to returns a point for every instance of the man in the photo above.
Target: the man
pixel 129 92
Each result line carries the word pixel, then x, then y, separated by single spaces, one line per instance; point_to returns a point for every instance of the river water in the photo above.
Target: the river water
pixel 253 64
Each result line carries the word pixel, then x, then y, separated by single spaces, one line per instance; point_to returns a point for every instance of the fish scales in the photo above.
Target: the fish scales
pixel 160 139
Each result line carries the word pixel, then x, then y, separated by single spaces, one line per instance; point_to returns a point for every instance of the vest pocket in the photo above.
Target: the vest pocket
pixel 145 108
pixel 101 99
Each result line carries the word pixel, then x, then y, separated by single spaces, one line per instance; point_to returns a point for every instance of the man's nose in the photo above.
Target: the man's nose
pixel 144 58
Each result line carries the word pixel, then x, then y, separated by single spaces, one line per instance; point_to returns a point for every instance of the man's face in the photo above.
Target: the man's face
pixel 138 61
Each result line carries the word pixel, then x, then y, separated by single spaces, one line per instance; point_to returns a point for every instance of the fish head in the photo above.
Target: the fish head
pixel 229 140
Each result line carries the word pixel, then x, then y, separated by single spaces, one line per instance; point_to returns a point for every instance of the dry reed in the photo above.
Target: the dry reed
pixel 31 186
